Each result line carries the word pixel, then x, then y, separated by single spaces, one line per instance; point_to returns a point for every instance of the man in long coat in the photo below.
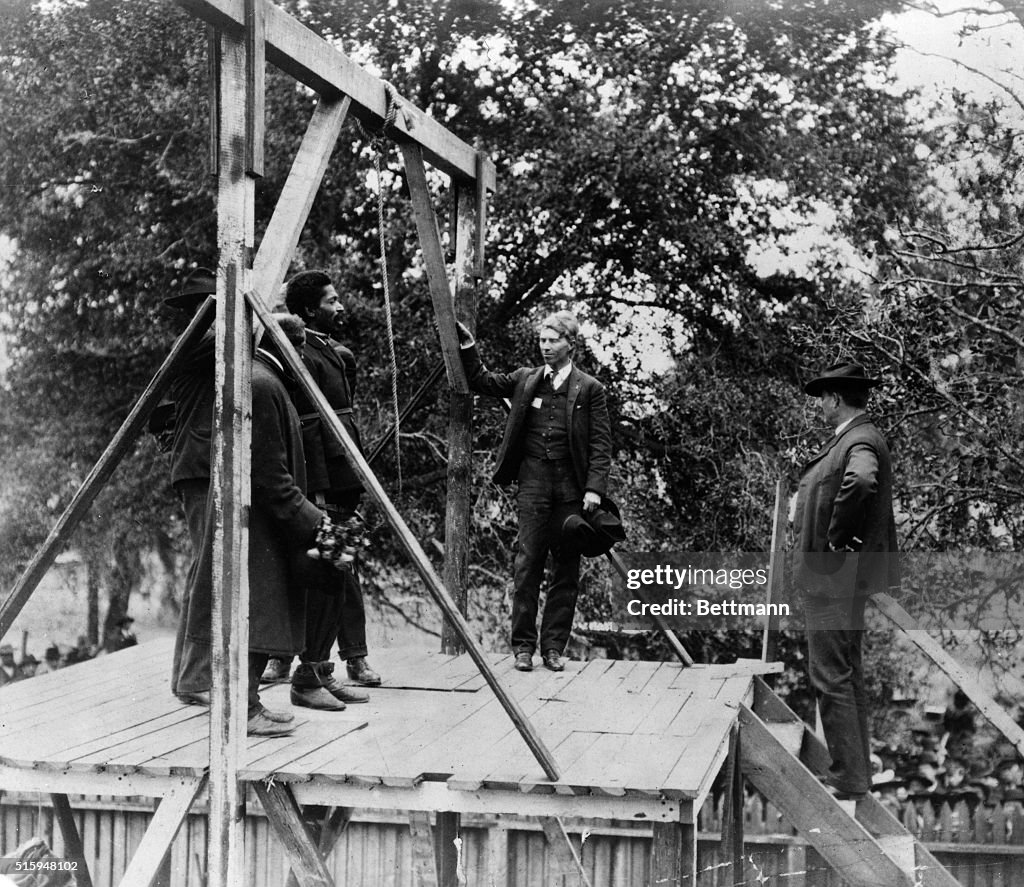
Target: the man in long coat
pixel 283 525
pixel 845 551
pixel 557 445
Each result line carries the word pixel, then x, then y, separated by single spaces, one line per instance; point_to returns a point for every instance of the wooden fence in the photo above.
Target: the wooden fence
pixel 985 849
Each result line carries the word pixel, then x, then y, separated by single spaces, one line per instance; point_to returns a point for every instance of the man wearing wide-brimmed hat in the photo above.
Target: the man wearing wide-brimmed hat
pixel 844 552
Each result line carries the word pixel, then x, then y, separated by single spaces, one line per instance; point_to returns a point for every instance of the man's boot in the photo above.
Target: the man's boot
pixel 277 671
pixel 308 690
pixel 360 672
pixel 325 671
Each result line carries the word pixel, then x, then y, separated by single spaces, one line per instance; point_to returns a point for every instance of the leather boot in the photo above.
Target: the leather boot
pixel 308 690
pixel 360 672
pixel 325 671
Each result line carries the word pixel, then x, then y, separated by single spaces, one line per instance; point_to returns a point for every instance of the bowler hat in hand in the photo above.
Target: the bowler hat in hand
pixel 842 375
pixel 594 533
pixel 199 284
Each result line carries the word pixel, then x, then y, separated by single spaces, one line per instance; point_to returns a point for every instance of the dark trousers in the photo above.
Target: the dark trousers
pixel 334 611
pixel 548 493
pixel 835 637
pixel 334 600
pixel 190 670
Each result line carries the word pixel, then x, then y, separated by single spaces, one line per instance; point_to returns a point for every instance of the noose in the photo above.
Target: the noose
pixel 378 144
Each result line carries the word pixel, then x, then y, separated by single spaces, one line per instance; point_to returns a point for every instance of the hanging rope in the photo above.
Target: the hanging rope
pixel 379 145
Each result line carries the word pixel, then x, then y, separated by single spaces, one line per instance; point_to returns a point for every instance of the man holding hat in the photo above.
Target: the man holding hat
pixel 558 446
pixel 845 551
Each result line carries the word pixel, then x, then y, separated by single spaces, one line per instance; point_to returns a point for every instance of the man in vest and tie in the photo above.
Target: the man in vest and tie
pixel 845 551
pixel 557 445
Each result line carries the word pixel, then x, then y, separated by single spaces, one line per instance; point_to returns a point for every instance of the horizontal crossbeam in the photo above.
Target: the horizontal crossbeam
pixel 310 59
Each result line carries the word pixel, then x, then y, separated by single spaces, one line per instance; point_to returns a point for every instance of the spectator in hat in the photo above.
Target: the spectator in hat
pixel 125 637
pixel 557 445
pixel 9 671
pixel 28 666
pixel 51 660
pixel 83 651
pixel 845 551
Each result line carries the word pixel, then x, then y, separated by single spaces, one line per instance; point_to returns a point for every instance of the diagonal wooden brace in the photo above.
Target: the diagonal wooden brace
pixel 433 260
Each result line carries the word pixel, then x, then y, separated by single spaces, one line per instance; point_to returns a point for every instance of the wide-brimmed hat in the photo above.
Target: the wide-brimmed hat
pixel 595 532
pixel 842 375
pixel 199 284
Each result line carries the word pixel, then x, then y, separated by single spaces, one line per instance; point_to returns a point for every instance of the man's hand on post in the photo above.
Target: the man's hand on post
pixel 590 501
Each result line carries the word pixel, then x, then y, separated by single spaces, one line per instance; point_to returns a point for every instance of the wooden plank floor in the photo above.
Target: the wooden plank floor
pixel 613 727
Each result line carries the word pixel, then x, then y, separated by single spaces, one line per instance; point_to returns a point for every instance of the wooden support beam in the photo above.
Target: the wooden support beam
pixel 989 708
pixel 156 843
pixel 788 727
pixel 815 814
pixel 424 864
pixel 732 812
pixel 674 854
pixel 433 261
pixel 481 217
pixel 412 547
pixel 446 853
pixel 255 75
pixel 116 450
pixel 460 426
pixel 570 865
pixel 776 571
pixel 310 59
pixel 296 199
pixel 230 473
pixel 72 840
pixel 284 816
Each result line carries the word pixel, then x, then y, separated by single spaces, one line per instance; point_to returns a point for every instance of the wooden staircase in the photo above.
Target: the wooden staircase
pixel 862 841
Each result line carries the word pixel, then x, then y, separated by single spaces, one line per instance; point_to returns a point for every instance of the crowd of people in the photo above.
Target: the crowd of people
pixel 948 759
pixel 58 656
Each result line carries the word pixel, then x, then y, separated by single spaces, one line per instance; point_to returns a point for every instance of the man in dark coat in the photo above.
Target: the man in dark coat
pixel 192 395
pixel 557 445
pixel 282 527
pixel 335 608
pixel 845 551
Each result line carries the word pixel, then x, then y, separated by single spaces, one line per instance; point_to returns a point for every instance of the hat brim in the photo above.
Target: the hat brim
pixel 816 386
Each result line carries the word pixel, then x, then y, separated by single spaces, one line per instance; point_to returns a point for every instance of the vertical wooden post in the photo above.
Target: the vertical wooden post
pixel 460 425
pixel 446 832
pixel 776 571
pixel 732 810
pixel 65 817
pixel 674 854
pixel 230 469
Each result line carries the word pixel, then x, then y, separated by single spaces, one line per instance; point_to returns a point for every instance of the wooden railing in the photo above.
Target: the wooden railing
pixel 985 849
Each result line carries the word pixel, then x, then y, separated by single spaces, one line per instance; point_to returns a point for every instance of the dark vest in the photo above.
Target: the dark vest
pixel 547 432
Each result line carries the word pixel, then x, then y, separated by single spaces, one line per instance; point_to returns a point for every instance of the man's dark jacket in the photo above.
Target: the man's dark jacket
pixel 589 427
pixel 845 495
pixel 333 368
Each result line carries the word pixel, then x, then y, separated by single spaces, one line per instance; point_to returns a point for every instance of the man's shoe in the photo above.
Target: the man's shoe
pixel 325 671
pixel 308 690
pixel 553 661
pixel 524 662
pixel 261 725
pixel 277 671
pixel 200 697
pixel 360 672
pixel 278 717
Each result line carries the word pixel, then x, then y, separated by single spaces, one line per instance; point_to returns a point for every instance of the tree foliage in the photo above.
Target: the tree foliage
pixel 660 166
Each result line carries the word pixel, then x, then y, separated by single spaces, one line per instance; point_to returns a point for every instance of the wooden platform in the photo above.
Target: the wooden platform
pixel 647 738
